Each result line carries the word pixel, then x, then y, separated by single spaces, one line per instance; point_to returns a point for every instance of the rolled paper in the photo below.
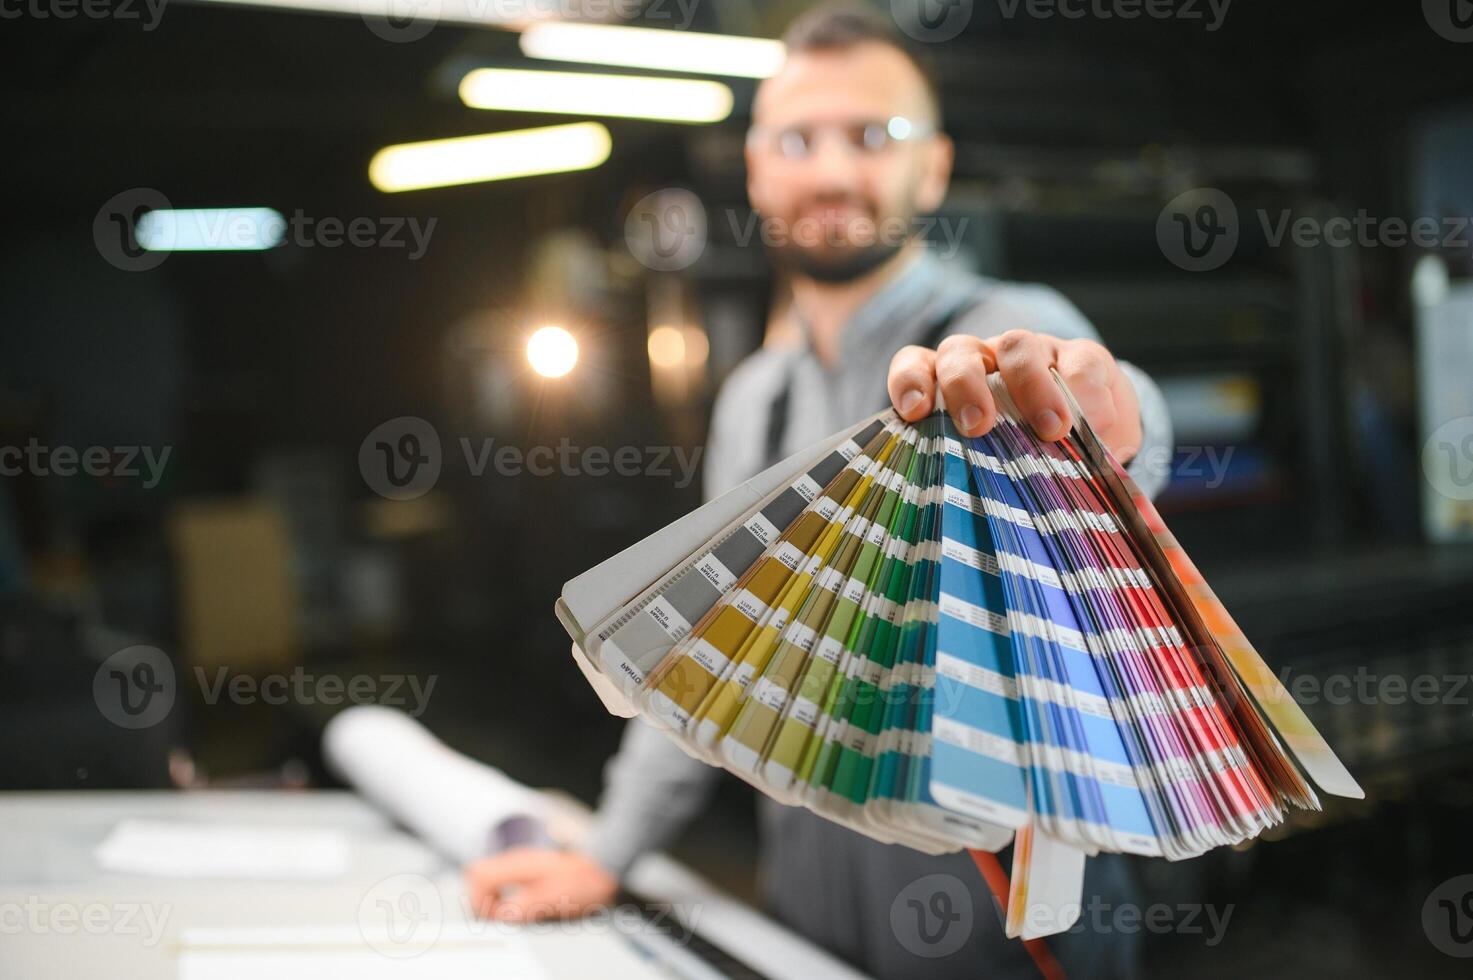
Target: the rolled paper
pixel 461 808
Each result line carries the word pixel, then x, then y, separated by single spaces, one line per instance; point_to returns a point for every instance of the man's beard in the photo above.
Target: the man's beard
pixel 840 265
pixel 842 262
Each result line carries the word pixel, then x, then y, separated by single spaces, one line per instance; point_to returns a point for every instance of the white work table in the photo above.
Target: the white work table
pixel 61 915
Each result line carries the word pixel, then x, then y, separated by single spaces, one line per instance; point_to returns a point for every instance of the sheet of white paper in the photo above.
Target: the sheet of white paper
pixel 180 849
pixel 309 954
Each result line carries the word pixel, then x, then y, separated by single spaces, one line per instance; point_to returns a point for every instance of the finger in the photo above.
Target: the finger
pixel 962 366
pixel 1024 359
pixel 517 866
pixel 1128 434
pixel 912 382
pixel 482 889
pixel 1088 369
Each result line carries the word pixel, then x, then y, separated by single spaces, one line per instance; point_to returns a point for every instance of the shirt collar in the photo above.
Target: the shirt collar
pixel 893 310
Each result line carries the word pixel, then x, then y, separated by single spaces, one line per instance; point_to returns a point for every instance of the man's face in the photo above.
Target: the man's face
pixel 837 189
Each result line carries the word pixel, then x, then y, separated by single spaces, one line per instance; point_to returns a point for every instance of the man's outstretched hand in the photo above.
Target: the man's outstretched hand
pixel 535 884
pixel 961 364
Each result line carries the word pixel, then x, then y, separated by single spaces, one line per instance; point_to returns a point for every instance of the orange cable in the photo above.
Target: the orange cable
pixel 997 882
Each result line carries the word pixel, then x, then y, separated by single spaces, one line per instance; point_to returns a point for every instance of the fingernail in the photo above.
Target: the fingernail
pixel 910 401
pixel 1046 423
pixel 970 417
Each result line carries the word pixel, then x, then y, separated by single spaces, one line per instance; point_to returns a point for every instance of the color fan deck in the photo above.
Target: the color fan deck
pixel 950 642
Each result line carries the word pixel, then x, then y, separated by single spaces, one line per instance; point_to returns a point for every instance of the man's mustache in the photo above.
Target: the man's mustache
pixel 833 203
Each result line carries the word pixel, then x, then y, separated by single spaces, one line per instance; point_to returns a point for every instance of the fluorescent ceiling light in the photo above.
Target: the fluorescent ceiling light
pixel 661 50
pixel 211 230
pixel 485 13
pixel 494 156
pixel 586 94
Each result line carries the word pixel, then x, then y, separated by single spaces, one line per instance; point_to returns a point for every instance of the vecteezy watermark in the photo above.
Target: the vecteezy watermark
pixel 1451 19
pixel 657 462
pixel 1447 916
pixel 144 463
pixel 666 231
pixel 401 459
pixel 932 21
pixel 402 915
pixel 1127 918
pixel 137 229
pixel 1364 229
pixel 406 915
pixel 1199 230
pixel 942 233
pixel 1207 464
pixel 563 916
pixel 405 691
pixel 400 21
pixel 405 21
pixel 1210 13
pixel 1363 686
pixel 34 916
pixel 137 688
pixel 147 12
pixel 114 229
pixel 1447 458
pixel 256 229
pixel 390 232
pixel 932 916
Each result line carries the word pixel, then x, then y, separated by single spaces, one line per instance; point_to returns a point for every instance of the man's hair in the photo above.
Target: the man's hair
pixel 840 27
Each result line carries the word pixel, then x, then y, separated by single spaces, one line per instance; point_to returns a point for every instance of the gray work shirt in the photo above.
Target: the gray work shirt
pixel 844 891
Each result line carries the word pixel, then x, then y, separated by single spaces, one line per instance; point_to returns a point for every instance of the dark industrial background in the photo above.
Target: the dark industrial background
pixel 264 372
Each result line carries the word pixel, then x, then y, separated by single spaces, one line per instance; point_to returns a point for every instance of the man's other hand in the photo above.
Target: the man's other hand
pixel 959 367
pixel 536 884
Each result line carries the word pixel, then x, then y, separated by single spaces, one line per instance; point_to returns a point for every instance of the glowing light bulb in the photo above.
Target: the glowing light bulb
pixel 666 347
pixel 552 352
